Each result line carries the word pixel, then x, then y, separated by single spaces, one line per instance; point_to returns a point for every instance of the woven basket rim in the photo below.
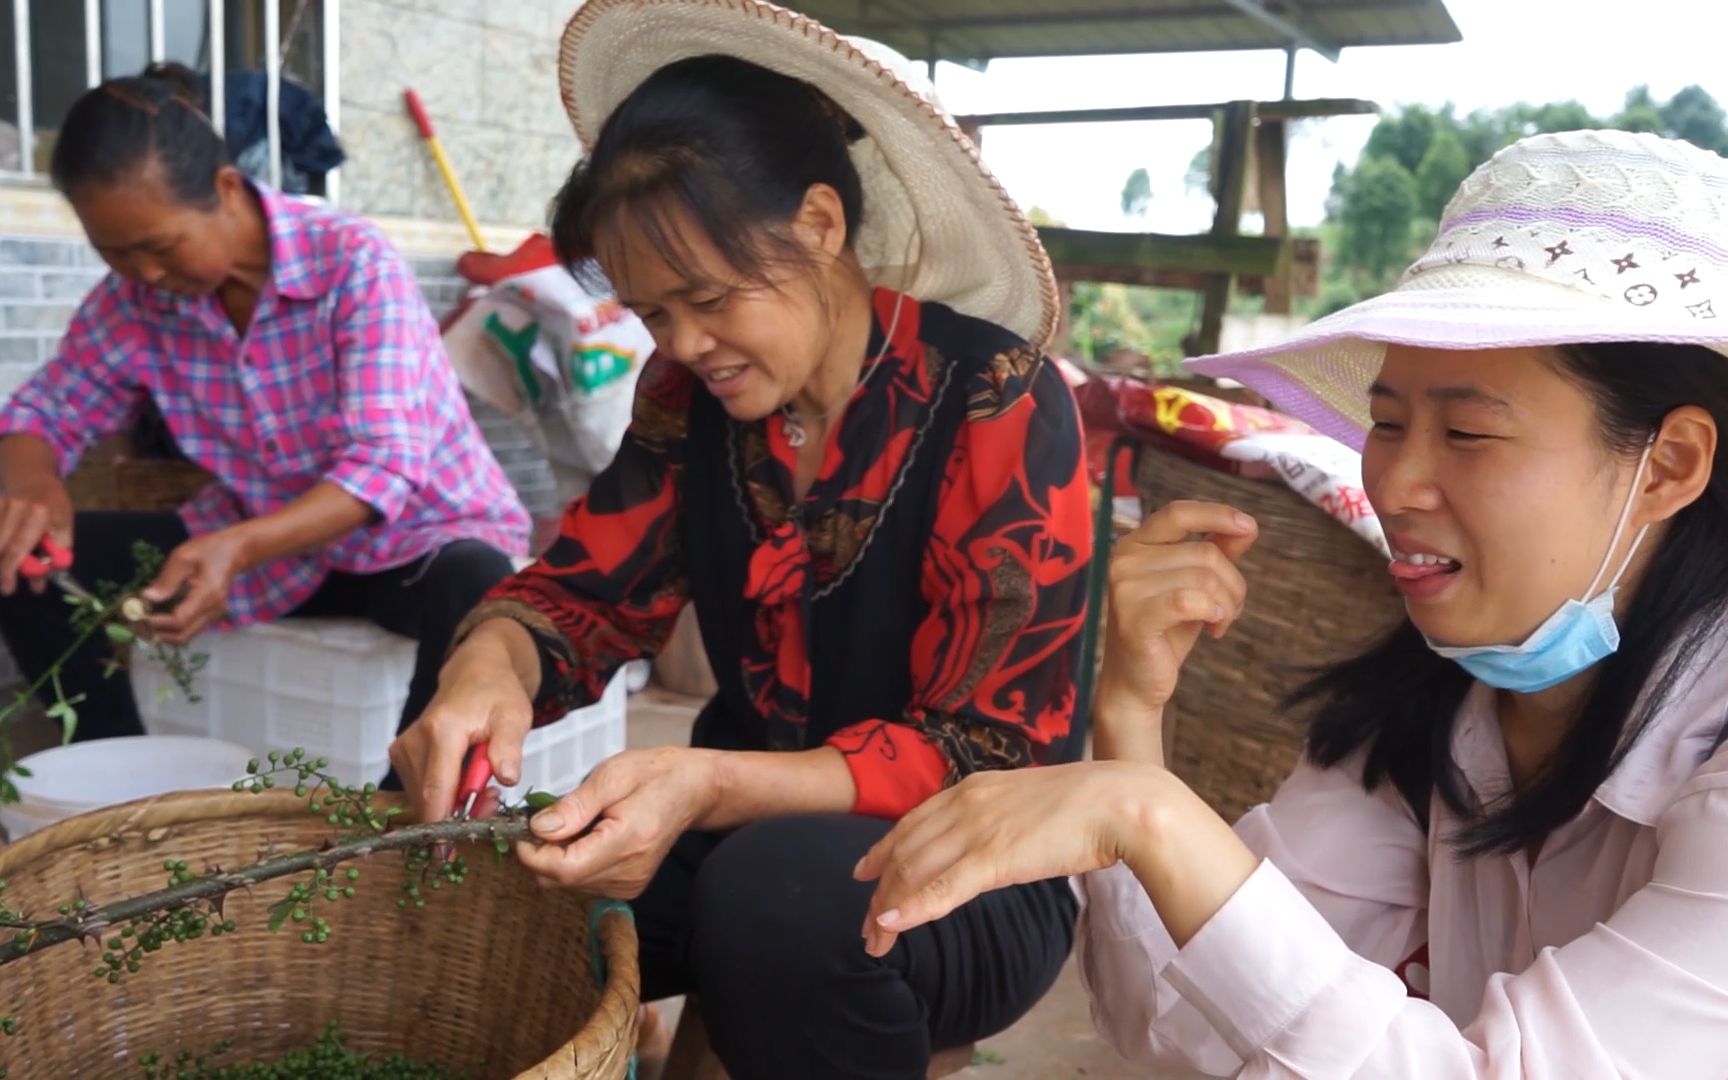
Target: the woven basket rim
pixel 598 1048
pixel 155 812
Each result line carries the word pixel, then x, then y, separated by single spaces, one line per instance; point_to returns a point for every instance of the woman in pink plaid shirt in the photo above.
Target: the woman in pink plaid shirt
pixel 291 354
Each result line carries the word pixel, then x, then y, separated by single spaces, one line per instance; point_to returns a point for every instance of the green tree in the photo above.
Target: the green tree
pixel 1137 194
pixel 1337 195
pixel 1694 115
pixel 1443 168
pixel 1380 205
pixel 1199 175
pixel 1556 116
pixel 1640 113
pixel 1405 136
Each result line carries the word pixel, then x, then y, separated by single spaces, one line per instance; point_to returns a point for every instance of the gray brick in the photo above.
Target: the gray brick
pixel 29 251
pixel 19 284
pixel 53 317
pixel 434 269
pixel 70 285
pixel 20 350
pixel 12 376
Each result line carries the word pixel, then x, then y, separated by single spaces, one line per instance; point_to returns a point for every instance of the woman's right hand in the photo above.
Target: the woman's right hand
pixel 1170 579
pixel 481 699
pixel 28 511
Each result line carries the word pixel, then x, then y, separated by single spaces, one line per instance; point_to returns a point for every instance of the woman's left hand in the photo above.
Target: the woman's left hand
pixel 996 829
pixel 639 803
pixel 199 573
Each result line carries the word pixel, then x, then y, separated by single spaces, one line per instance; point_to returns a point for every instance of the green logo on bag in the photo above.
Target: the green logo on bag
pixel 594 366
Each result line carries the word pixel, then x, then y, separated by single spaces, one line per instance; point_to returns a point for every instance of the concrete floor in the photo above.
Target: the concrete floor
pixel 1055 1041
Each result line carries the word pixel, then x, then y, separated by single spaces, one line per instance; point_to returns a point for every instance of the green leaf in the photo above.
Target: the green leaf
pixel 68 717
pixel 22 771
pixel 118 634
pixel 280 913
pixel 540 800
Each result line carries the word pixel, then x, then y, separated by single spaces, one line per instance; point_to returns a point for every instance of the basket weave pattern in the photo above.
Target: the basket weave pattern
pixel 495 977
pixel 1316 594
pixel 110 477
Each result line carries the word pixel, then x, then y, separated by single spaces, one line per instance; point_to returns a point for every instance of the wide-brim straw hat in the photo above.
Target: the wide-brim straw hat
pixel 937 225
pixel 1582 236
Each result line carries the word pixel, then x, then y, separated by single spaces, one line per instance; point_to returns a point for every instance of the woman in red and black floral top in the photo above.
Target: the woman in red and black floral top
pixel 879 510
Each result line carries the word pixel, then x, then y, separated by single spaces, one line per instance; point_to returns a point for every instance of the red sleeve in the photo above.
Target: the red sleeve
pixel 994 661
pixel 610 588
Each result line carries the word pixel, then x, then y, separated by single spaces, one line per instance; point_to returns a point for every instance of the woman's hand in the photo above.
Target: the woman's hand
pixel 638 804
pixel 196 579
pixel 484 695
pixel 1170 579
pixel 996 829
pixel 29 511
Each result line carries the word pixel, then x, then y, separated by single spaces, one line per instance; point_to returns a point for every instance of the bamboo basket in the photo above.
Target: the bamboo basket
pixel 110 477
pixel 1316 594
pixel 497 977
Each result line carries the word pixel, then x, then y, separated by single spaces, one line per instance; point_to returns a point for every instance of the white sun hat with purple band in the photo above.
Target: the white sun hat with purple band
pixel 1584 236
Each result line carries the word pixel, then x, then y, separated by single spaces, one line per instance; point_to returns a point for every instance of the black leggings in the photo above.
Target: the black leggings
pixel 764 924
pixel 423 600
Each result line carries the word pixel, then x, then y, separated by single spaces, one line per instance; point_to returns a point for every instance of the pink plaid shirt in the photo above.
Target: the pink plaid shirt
pixel 341 377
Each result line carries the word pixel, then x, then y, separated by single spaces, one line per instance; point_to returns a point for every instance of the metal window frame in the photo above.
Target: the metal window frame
pixel 216 29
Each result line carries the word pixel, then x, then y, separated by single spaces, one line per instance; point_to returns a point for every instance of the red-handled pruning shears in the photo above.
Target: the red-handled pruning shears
pixel 53 563
pixel 475 776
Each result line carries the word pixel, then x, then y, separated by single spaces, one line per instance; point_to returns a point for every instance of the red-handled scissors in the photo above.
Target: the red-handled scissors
pixel 475 776
pixel 53 563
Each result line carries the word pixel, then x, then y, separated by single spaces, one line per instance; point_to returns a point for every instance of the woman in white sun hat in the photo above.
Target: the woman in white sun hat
pixel 1504 852
pixel 851 457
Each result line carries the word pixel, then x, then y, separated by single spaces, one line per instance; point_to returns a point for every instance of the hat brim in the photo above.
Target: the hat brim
pixel 972 248
pixel 1322 374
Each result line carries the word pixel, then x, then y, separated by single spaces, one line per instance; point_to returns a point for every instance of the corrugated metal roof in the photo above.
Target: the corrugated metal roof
pixel 987 29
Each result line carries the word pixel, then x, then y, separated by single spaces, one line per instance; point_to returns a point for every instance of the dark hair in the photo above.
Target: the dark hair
pixel 126 124
pixel 732 145
pixel 1399 700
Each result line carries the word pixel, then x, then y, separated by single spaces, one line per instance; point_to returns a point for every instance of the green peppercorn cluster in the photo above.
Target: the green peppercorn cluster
pixel 125 951
pixel 8 1027
pixel 327 1059
pixel 340 806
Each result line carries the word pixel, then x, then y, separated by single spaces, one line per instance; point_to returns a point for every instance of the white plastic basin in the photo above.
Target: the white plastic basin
pixel 70 780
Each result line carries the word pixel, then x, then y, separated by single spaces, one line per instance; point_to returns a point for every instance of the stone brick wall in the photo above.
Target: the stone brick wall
pixel 487 71
pixel 41 282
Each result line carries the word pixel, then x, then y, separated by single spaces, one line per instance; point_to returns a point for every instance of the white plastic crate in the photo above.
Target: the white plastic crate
pixel 557 756
pixel 335 687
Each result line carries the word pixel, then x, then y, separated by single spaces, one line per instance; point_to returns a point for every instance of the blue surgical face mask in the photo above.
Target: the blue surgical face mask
pixel 1569 642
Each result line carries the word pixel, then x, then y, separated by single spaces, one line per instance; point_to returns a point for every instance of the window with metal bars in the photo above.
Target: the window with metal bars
pixel 53 50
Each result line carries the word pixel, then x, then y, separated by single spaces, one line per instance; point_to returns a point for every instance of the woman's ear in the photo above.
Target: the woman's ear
pixel 820 223
pixel 1681 460
pixel 230 184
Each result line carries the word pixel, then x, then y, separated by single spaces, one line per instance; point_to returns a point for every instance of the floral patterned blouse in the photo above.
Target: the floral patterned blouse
pixel 920 609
